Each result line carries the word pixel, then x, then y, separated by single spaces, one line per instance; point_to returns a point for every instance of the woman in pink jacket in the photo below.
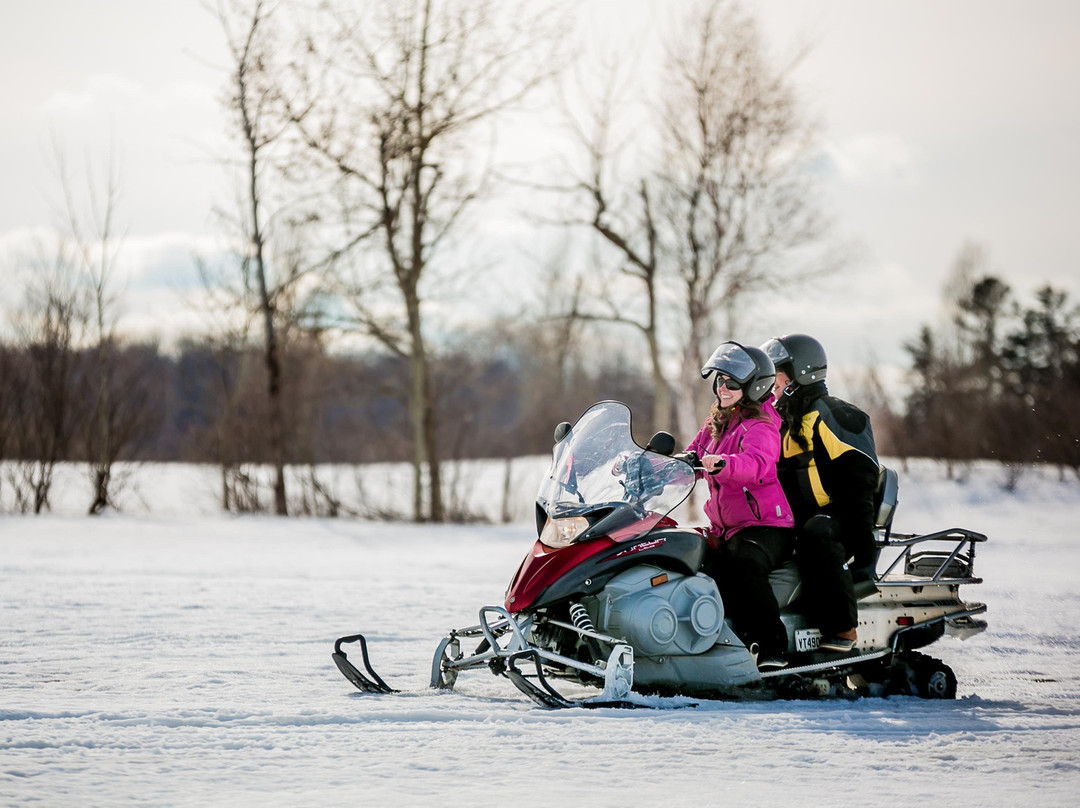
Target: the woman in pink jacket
pixel 751 529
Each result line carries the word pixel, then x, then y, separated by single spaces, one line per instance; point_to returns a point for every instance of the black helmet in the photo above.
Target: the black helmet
pixel 804 354
pixel 750 367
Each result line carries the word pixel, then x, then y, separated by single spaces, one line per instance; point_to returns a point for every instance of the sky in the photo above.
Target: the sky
pixel 943 123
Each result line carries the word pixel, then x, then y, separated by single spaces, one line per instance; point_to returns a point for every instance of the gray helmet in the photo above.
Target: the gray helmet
pixel 804 354
pixel 750 367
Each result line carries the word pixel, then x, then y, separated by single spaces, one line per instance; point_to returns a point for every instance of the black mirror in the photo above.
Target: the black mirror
pixel 662 443
pixel 562 430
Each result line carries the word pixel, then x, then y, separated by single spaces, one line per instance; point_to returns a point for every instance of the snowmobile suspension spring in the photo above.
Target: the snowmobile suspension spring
pixel 580 617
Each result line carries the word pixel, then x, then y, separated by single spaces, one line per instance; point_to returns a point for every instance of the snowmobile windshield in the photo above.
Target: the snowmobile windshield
pixel 597 467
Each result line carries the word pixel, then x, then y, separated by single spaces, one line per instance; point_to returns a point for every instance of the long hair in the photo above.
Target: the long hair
pixel 792 409
pixel 720 420
pixel 791 422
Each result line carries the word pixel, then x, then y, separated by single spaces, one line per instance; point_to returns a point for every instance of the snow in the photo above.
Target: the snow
pixel 170 656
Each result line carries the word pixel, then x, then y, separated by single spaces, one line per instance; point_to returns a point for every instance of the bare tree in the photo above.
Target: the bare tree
pixel 255 101
pixel 629 226
pixel 49 326
pixel 402 97
pixel 91 229
pixel 719 196
pixel 738 190
pixel 10 372
pixel 220 367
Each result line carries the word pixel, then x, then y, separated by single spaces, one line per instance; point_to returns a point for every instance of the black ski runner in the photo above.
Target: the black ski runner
pixel 374 684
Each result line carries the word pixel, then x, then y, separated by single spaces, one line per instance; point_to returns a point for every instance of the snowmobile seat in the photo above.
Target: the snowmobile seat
pixel 786 583
pixel 885 500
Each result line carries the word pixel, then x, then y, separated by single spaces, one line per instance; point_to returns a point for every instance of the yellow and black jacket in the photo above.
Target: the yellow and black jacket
pixel 833 470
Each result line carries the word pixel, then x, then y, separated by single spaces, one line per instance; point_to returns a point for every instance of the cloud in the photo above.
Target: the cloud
pixel 164 315
pixel 156 280
pixel 194 93
pixel 101 89
pixel 869 158
pixel 14 243
pixel 167 260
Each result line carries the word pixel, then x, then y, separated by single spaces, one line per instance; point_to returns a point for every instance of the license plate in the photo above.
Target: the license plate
pixel 807 639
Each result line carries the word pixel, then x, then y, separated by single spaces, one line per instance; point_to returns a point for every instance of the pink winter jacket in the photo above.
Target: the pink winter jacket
pixel 745 492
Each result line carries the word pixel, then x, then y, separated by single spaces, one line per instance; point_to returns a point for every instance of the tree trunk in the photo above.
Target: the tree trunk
pixel 277 426
pixel 273 390
pixel 505 514
pixel 661 392
pixel 689 419
pixel 423 421
pixel 431 442
pixel 102 477
pixel 103 470
pixel 273 361
pixel 416 427
pixel 252 120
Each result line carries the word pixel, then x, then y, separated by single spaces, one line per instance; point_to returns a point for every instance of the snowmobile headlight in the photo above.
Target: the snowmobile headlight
pixel 563 532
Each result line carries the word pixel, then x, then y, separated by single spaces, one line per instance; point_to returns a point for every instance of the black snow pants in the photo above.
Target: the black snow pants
pixel 741 570
pixel 828 591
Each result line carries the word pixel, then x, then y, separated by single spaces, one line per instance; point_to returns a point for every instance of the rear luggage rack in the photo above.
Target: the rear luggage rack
pixel 938 564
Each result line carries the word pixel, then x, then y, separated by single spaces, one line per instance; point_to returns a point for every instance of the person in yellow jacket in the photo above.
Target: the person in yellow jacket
pixel 828 468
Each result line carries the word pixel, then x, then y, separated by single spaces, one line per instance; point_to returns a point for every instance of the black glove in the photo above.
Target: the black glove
pixel 690 457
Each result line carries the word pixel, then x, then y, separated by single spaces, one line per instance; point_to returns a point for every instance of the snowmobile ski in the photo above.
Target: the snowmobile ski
pixel 615 691
pixel 372 682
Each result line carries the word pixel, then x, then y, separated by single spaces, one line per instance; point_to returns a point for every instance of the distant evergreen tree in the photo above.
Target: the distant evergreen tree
pixel 1003 383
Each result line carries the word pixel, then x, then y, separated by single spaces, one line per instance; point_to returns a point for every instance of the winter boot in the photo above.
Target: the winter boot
pixel 842 642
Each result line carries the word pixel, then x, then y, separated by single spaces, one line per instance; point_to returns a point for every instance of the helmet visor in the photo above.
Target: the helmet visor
pixel 732 360
pixel 776 351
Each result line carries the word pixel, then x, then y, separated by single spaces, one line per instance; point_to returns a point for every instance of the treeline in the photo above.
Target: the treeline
pixel 1000 380
pixel 206 403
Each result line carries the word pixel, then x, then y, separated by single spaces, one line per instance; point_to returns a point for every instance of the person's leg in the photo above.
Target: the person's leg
pixel 827 584
pixel 742 573
pixel 861 547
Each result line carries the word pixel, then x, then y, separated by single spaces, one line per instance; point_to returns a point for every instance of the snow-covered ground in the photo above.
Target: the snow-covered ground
pixel 169 656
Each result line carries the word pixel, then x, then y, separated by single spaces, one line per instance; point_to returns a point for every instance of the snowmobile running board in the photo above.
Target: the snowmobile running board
pixel 374 684
pixel 821 666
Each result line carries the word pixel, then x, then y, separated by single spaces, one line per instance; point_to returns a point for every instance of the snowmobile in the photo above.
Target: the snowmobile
pixel 612 596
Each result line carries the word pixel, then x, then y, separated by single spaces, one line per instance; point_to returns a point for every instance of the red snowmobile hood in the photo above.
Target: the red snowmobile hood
pixel 545 565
